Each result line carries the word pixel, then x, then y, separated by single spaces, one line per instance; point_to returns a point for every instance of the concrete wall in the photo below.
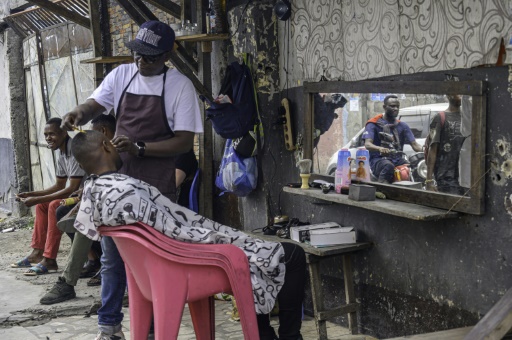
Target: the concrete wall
pixel 418 276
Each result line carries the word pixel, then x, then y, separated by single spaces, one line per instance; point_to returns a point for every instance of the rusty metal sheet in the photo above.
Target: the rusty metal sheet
pixel 80 39
pixel 84 76
pixel 55 42
pixel 60 86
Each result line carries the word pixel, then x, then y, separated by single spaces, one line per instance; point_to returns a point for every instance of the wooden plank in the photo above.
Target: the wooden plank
pixel 63 12
pixel 316 253
pixel 496 322
pixel 387 206
pixel 318 299
pixel 167 6
pixel 332 313
pixel 187 58
pixel 180 65
pixel 206 138
pixel 109 60
pixel 94 12
pixel 471 87
pixel 349 292
pixel 14 25
pixel 202 37
pixel 143 10
pixel 478 126
pixel 451 334
pixel 132 12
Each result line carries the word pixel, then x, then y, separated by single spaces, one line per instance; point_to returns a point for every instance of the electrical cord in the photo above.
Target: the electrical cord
pixel 241 18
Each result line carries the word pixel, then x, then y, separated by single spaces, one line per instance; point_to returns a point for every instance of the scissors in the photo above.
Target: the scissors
pixel 109 202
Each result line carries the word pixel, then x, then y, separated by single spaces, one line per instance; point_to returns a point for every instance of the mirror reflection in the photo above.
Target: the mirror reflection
pixel 397 130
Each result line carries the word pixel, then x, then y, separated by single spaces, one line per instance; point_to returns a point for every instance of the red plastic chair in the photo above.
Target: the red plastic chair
pixel 163 274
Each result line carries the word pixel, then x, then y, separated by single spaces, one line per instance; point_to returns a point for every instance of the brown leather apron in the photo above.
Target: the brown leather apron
pixel 143 118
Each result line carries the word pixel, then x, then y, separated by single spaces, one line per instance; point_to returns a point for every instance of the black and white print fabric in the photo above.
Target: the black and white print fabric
pixel 115 199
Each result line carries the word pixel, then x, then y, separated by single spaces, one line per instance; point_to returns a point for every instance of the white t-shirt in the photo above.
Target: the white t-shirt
pixel 181 101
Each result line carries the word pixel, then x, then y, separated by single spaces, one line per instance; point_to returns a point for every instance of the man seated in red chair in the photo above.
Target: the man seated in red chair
pixel 111 199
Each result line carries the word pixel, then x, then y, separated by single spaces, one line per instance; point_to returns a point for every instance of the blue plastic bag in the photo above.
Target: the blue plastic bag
pixel 236 174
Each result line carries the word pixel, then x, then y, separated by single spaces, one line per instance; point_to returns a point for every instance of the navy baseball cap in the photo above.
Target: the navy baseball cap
pixel 154 37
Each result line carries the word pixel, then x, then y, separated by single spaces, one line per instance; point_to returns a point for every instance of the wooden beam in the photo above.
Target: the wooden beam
pixel 183 68
pixel 14 25
pixel 187 58
pixel 496 322
pixel 143 10
pixel 167 6
pixel 63 12
pixel 206 139
pixel 94 13
pixel 132 12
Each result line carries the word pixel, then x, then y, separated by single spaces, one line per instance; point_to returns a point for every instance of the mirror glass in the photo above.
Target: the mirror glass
pixel 339 122
pixel 343 115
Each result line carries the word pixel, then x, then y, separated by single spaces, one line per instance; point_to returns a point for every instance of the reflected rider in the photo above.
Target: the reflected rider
pixel 383 153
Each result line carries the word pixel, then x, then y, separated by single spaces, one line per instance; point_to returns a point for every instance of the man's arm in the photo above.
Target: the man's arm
pixel 368 144
pixel 182 142
pixel 431 163
pixel 416 146
pixel 57 191
pixel 81 114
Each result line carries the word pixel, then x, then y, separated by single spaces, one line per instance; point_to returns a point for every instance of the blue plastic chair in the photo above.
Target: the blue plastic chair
pixel 193 195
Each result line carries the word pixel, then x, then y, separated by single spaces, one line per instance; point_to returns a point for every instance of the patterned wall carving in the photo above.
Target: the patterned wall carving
pixel 361 39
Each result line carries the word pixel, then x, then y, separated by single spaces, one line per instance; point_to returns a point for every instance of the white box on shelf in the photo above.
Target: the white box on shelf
pixel 332 236
pixel 301 233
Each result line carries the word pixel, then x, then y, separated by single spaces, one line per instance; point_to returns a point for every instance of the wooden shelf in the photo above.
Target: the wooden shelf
pixel 120 59
pixel 202 37
pixel 387 206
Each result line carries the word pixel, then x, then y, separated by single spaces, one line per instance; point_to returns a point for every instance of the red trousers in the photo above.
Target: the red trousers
pixel 46 235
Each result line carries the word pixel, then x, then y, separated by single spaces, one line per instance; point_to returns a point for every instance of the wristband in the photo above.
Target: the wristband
pixel 430 180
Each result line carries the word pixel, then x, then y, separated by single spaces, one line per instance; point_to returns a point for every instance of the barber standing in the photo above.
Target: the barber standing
pixel 157 114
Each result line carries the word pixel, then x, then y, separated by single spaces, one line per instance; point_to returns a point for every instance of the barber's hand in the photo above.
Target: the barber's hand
pixel 124 144
pixel 385 151
pixel 72 119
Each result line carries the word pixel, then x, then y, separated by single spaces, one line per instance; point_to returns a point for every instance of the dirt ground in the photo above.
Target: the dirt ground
pixel 20 294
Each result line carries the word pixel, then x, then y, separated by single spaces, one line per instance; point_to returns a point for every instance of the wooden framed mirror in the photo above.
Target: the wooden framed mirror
pixel 336 114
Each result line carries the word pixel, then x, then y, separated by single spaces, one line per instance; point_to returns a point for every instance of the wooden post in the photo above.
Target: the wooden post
pixel 206 139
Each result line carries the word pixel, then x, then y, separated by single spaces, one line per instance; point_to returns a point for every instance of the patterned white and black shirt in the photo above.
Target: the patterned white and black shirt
pixel 115 199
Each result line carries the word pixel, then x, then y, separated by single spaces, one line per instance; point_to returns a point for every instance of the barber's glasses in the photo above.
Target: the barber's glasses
pixel 150 59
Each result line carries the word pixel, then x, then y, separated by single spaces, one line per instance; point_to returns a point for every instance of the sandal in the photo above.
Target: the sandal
pixel 95 280
pixel 39 269
pixel 25 263
pixel 90 269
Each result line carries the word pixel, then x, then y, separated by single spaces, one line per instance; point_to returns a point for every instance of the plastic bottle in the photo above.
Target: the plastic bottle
pixel 362 165
pixel 342 176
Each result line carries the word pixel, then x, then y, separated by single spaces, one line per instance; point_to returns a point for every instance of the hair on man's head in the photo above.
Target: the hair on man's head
pixel 54 121
pixel 107 121
pixel 386 99
pixel 85 143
